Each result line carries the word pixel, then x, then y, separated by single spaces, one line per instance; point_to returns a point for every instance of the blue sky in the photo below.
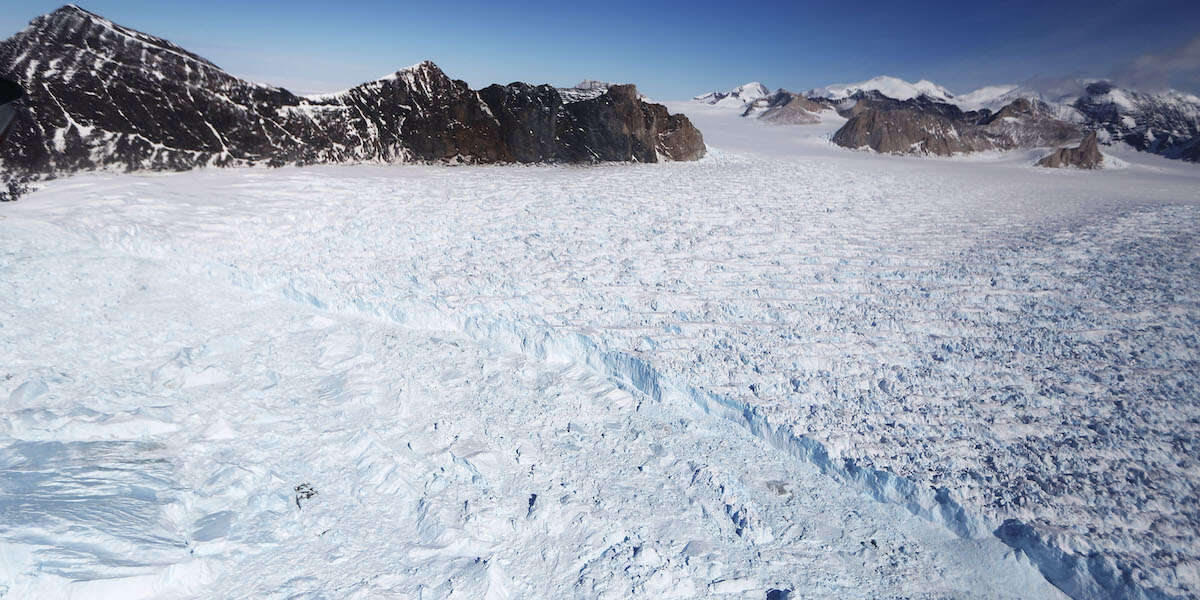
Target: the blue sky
pixel 673 49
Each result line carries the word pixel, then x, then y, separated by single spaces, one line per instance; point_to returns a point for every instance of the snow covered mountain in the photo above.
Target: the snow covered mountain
pixel 105 96
pixel 892 87
pixel 736 98
pixel 1166 123
pixel 992 97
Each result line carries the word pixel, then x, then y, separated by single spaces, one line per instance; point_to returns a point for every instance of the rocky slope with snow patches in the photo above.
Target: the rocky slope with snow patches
pixel 104 96
pixel 1166 123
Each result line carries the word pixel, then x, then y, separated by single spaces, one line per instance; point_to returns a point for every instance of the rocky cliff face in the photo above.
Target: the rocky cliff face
pixel 923 125
pixel 588 89
pixel 104 96
pixel 613 125
pixel 1085 156
pixel 628 127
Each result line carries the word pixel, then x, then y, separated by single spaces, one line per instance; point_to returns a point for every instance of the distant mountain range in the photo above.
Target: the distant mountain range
pixel 736 98
pixel 891 87
pixel 887 114
pixel 103 96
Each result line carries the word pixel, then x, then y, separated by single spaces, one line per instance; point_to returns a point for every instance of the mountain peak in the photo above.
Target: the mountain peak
pixel 74 10
pixel 72 24
pixel 990 96
pixel 754 87
pixel 424 71
pixel 425 65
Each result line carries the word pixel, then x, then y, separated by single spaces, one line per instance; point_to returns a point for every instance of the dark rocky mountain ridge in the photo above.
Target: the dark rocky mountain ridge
pixel 102 96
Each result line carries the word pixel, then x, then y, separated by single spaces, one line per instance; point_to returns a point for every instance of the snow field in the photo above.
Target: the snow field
pixel 1023 340
pixel 161 455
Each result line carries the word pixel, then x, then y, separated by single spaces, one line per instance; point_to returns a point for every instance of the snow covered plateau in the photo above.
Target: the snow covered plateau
pixel 787 370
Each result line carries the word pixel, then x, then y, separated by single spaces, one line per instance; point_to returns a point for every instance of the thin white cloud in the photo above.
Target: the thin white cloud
pixel 1153 71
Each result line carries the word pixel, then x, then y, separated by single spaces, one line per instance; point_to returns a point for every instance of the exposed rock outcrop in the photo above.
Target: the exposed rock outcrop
pixel 925 126
pixel 1084 156
pixel 676 138
pixel 616 124
pixel 917 126
pixel 908 131
pixel 105 96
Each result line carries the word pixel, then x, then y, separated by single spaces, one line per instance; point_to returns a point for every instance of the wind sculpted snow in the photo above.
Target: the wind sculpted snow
pixel 604 381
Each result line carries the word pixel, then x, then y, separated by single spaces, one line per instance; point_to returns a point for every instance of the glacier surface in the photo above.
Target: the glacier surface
pixel 785 367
